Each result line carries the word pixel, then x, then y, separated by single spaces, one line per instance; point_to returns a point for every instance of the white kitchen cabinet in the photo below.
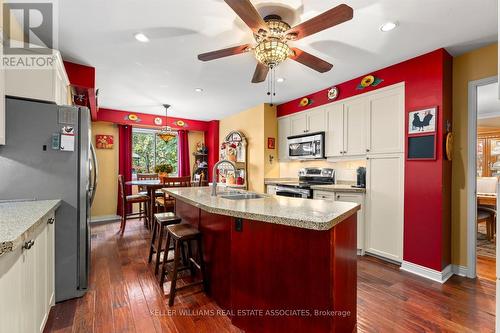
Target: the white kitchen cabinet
pixel 298 124
pixel 316 120
pixel 386 114
pixel 311 121
pixel 358 198
pixel 348 197
pixel 27 282
pixel 284 131
pixel 346 128
pixel 44 84
pixel 355 127
pixel 2 102
pixel 334 135
pixel 384 206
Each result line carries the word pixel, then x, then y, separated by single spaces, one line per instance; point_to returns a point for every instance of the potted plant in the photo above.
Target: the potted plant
pixel 163 169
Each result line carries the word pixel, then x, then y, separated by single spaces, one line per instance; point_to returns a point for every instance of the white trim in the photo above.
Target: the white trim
pixel 472 171
pixel 460 270
pixel 428 273
pixel 105 218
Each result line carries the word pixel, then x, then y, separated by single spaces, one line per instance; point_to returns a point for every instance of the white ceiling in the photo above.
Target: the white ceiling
pixel 488 106
pixel 141 76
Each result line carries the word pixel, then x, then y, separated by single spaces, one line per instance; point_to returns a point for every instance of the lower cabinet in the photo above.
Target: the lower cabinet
pixel 27 282
pixel 384 206
pixel 348 197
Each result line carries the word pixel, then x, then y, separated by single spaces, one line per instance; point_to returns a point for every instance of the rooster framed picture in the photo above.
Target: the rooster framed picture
pixel 422 121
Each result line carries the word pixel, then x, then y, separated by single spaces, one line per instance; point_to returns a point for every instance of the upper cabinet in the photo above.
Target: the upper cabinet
pixel 284 131
pixel 47 84
pixel 2 102
pixel 386 122
pixel 308 122
pixel 334 136
pixel 355 127
pixel 371 123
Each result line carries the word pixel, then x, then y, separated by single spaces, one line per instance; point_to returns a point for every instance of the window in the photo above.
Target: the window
pixel 149 150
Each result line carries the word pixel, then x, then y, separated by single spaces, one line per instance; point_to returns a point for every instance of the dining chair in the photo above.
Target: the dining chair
pixel 199 180
pixel 167 203
pixel 130 199
pixel 487 214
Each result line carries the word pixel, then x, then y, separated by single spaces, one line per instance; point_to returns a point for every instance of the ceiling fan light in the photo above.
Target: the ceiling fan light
pixel 272 52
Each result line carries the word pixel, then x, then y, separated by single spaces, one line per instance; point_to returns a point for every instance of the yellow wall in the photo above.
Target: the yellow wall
pixel 474 65
pixel 107 189
pixel 256 124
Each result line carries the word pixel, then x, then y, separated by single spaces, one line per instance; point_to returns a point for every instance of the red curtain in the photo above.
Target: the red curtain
pixel 125 162
pixel 183 154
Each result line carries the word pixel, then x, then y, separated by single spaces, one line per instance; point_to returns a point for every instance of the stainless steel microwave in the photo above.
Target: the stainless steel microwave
pixel 306 147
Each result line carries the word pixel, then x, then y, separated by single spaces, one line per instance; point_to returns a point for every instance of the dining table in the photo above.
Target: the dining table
pixel 487 199
pixel 151 185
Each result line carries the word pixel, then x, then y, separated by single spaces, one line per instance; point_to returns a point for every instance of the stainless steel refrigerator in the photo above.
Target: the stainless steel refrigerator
pixel 33 166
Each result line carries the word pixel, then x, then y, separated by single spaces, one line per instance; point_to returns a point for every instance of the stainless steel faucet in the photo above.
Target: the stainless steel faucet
pixel 214 174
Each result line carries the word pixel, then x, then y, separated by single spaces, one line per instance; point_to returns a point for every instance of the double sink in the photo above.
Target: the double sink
pixel 239 195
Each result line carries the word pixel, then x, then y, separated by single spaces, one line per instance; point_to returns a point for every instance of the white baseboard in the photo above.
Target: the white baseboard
pixel 105 219
pixel 460 270
pixel 428 273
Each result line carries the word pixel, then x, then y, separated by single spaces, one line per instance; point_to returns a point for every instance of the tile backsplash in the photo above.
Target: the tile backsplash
pixel 345 170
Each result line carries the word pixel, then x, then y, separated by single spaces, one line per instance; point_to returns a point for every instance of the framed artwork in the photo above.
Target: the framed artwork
pixel 271 143
pixel 104 141
pixel 422 121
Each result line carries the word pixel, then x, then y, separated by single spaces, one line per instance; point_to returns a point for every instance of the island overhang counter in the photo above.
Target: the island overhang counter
pixel 277 264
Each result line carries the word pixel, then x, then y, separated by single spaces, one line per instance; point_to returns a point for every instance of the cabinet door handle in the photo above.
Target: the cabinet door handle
pixel 51 220
pixel 367 150
pixel 338 196
pixel 341 152
pixel 29 244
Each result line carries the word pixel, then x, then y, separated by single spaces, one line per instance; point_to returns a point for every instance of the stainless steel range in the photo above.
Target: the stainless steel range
pixel 307 177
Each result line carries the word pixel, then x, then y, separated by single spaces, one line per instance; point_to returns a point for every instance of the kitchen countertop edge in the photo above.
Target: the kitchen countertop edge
pixel 299 223
pixel 12 244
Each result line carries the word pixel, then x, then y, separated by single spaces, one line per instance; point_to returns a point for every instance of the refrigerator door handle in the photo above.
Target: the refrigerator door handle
pixel 96 173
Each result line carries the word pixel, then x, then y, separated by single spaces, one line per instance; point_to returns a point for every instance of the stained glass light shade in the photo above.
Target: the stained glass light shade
pixel 272 52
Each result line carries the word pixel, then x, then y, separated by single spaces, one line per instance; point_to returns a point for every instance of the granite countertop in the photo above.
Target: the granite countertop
pixel 295 212
pixel 20 217
pixel 338 188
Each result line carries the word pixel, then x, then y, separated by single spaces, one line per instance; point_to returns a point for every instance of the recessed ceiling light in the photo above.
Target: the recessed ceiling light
pixel 388 26
pixel 141 37
pixel 280 80
pixel 199 90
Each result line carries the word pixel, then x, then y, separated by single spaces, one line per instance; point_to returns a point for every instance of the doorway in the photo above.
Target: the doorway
pixel 483 176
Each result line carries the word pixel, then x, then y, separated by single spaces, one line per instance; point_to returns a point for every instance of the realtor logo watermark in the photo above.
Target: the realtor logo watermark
pixel 29 34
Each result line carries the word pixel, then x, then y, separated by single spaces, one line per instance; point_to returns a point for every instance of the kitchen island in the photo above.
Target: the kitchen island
pixel 277 264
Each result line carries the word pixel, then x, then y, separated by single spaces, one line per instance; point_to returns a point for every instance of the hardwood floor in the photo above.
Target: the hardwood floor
pixel 486 267
pixel 125 297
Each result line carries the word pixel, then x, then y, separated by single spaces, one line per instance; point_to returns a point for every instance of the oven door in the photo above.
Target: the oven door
pixel 293 192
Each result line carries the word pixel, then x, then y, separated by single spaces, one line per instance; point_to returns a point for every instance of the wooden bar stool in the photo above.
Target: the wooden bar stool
pixel 182 234
pixel 161 221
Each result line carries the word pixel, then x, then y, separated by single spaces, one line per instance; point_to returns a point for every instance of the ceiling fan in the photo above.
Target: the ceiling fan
pixel 272 35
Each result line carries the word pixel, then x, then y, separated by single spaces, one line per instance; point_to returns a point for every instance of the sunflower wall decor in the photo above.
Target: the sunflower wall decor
pixel 369 81
pixel 305 102
pixel 133 117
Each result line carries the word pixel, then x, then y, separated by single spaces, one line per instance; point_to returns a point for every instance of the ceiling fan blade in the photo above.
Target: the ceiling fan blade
pixel 247 12
pixel 260 73
pixel 310 61
pixel 224 52
pixel 328 19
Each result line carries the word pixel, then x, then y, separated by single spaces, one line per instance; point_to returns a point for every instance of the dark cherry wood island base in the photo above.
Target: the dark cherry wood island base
pixel 277 278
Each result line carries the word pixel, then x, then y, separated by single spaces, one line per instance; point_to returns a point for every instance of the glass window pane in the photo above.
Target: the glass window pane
pixel 142 152
pixel 166 152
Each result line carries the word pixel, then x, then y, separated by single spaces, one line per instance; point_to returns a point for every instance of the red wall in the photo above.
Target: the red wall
pixel 427 187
